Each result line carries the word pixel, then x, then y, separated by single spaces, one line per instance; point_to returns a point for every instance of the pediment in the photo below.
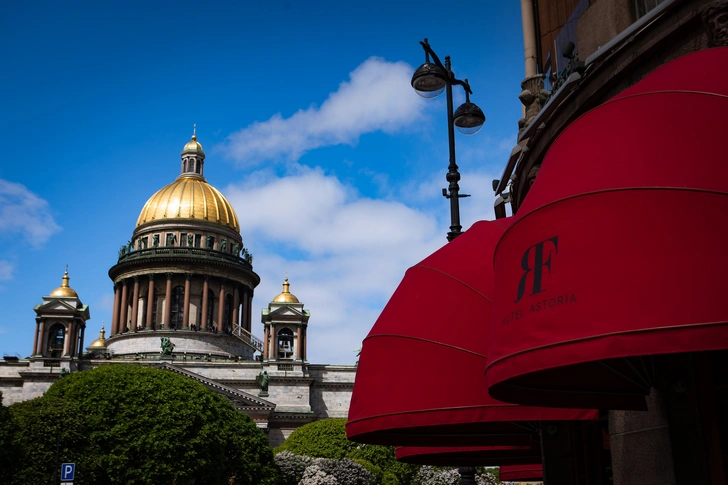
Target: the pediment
pixel 285 311
pixel 57 306
pixel 241 400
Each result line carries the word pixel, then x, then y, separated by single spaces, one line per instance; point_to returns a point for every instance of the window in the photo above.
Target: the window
pixel 285 344
pixel 183 239
pixel 171 239
pixel 227 314
pixel 198 240
pixel 155 305
pixel 56 336
pixel 177 308
pixel 210 308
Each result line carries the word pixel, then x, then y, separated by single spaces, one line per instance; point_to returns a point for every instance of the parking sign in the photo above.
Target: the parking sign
pixel 68 472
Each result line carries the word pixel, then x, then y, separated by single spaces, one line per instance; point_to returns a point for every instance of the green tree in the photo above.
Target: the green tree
pixel 8 461
pixel 327 439
pixel 142 425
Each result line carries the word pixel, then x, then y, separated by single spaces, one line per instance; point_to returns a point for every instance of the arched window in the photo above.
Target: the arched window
pixel 285 344
pixel 155 304
pixel 227 318
pixel 56 336
pixel 177 308
pixel 210 308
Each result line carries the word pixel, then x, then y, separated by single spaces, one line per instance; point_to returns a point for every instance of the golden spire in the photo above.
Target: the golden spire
pixel 99 342
pixel 286 296
pixel 64 289
pixel 193 145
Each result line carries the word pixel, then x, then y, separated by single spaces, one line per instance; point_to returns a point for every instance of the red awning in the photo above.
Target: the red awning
pixel 469 456
pixel 520 473
pixel 617 253
pixel 420 376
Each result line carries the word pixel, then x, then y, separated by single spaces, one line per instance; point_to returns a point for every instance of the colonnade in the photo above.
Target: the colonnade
pixel 271 344
pixel 73 334
pixel 233 301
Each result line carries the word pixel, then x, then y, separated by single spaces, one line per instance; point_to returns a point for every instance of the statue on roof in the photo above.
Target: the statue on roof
pixel 167 346
pixel 263 380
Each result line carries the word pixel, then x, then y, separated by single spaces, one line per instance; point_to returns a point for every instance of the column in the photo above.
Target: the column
pixel 236 307
pixel 273 352
pixel 42 337
pixel 186 311
pixel 67 339
pixel 115 313
pixel 265 343
pixel 135 305
pixel 303 344
pixel 299 336
pixel 247 310
pixel 35 338
pixel 150 303
pixel 205 292
pixel 221 309
pixel 80 340
pixel 124 308
pixel 167 302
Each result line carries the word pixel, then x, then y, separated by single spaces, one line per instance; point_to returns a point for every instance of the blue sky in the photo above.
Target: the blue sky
pixel 311 129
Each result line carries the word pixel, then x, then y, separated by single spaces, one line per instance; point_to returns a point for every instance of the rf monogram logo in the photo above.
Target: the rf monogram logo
pixel 542 253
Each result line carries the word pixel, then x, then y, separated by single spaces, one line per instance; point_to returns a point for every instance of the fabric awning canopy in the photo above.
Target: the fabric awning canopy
pixel 469 455
pixel 618 251
pixel 420 375
pixel 520 473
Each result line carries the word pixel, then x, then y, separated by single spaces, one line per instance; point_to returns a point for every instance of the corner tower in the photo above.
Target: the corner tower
pixel 184 275
pixel 60 323
pixel 285 322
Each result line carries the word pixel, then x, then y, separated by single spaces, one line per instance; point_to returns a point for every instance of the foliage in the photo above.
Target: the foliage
pixel 291 467
pixel 8 459
pixel 140 425
pixel 316 476
pixel 429 475
pixel 345 471
pixel 327 439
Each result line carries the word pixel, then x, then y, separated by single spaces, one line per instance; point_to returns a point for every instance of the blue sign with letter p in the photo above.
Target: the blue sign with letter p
pixel 68 472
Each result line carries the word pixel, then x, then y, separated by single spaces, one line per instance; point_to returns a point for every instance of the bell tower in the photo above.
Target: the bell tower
pixel 60 323
pixel 285 322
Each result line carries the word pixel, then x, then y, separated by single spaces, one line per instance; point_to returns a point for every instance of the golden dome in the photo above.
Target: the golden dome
pixel 189 197
pixel 99 342
pixel 286 296
pixel 64 289
pixel 193 146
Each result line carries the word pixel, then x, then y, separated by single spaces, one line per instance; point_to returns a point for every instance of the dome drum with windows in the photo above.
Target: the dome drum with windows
pixel 185 274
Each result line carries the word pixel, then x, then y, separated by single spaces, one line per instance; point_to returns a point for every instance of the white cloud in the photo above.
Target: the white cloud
pixel 22 212
pixel 377 97
pixel 344 254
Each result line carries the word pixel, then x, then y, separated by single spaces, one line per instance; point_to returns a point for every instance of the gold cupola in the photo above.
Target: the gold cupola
pixel 286 296
pixel 64 289
pixel 99 343
pixel 190 196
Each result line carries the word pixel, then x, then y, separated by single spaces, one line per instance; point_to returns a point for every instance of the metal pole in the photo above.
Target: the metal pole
pixel 453 176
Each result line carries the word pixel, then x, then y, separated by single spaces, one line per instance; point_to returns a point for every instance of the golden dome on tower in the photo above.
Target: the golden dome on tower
pixel 286 296
pixel 189 197
pixel 193 146
pixel 99 342
pixel 64 289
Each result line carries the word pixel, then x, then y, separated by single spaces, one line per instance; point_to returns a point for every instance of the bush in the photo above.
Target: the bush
pixel 140 425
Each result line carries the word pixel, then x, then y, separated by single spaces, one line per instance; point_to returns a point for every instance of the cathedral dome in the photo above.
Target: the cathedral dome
pixel 64 289
pixel 286 296
pixel 189 197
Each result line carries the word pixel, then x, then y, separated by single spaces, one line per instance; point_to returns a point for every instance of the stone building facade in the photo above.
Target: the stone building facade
pixel 183 290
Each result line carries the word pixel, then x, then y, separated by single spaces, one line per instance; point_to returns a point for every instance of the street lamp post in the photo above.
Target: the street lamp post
pixel 429 81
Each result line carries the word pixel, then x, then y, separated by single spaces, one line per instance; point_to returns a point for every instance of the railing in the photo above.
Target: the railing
pixel 248 337
pixel 285 367
pixel 170 251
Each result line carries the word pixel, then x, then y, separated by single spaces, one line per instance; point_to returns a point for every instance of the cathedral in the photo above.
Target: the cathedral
pixel 183 291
